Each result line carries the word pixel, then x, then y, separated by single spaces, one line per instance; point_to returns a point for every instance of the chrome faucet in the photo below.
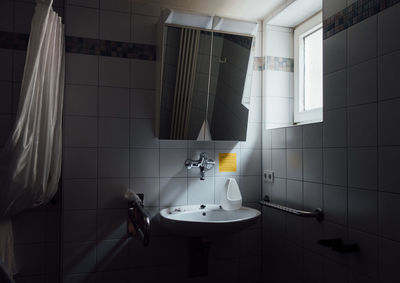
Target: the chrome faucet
pixel 204 163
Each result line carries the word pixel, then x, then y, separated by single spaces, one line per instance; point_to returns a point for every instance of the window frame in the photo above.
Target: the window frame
pixel 300 32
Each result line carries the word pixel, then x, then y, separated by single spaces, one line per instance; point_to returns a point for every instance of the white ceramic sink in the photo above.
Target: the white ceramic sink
pixel 206 220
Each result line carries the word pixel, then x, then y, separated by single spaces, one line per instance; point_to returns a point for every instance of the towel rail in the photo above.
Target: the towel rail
pixel 138 219
pixel 317 213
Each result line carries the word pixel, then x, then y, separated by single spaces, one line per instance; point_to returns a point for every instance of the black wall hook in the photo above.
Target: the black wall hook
pixel 330 243
pixel 345 249
pixel 338 245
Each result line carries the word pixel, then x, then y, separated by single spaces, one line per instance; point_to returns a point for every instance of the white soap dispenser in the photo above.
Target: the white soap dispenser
pixel 231 198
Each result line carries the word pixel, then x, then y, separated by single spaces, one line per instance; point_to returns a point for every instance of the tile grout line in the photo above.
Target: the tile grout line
pixel 98 149
pixel 377 145
pixel 347 141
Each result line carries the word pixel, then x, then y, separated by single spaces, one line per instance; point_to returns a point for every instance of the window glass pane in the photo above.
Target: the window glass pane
pixel 313 70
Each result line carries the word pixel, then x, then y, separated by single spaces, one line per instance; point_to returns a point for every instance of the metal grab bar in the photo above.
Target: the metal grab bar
pixel 138 219
pixel 318 213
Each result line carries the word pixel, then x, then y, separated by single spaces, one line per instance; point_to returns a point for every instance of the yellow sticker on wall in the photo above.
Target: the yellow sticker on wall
pixel 227 162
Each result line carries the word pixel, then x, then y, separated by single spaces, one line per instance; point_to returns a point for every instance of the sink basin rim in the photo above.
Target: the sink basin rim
pixel 168 213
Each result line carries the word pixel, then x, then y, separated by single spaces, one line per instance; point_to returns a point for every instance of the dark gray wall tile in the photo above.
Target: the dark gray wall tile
pixel 335 204
pixel 312 165
pixel 363 210
pixel 294 164
pixel 294 137
pixel 335 166
pixel 335 128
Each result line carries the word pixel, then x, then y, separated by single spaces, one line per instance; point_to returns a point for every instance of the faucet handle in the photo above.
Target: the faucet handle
pixel 204 155
pixel 209 164
pixel 203 163
pixel 188 164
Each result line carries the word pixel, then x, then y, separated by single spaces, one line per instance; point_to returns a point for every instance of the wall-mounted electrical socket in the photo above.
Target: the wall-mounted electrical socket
pixel 268 176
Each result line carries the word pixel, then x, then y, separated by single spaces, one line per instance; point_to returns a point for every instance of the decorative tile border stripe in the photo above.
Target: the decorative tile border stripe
pixel 18 41
pixel 259 64
pixel 353 14
pixel 11 40
pixel 280 64
pixel 110 48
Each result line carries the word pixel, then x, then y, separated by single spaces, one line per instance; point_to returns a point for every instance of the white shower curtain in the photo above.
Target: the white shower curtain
pixel 30 163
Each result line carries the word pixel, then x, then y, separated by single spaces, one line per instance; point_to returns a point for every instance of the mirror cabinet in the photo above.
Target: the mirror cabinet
pixel 204 84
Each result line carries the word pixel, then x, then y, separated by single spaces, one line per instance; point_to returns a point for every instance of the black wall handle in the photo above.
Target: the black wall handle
pixel 345 249
pixel 338 245
pixel 330 243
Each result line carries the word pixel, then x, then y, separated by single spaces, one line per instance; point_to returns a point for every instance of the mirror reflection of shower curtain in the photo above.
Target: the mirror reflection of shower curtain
pixel 30 163
pixel 185 82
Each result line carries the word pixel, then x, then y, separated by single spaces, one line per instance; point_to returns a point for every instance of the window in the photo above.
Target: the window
pixel 308 71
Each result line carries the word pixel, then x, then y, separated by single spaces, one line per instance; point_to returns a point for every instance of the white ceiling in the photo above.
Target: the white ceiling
pixel 238 9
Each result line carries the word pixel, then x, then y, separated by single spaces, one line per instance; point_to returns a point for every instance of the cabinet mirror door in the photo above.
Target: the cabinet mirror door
pixel 184 83
pixel 226 115
pixel 203 81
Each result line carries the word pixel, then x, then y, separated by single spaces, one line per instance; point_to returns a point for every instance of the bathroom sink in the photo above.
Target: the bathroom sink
pixel 206 220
